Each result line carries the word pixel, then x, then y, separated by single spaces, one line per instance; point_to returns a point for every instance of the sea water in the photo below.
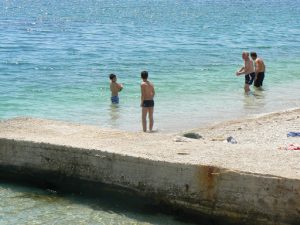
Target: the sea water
pixel 56 55
pixel 23 204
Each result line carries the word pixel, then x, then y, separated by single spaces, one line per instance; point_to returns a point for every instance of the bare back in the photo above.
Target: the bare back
pixel 260 65
pixel 115 88
pixel 147 90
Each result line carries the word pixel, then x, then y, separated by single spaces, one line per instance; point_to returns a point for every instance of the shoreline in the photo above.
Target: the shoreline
pixel 240 119
pixel 126 117
pixel 251 180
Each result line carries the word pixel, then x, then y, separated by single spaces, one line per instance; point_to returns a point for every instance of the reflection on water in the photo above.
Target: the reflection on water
pixel 115 115
pixel 255 100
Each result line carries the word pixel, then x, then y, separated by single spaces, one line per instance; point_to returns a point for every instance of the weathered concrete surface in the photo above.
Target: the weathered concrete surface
pixel 214 178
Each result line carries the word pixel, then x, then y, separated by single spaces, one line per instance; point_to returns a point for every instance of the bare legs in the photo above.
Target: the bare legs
pixel 151 121
pixel 144 120
pixel 247 88
pixel 149 111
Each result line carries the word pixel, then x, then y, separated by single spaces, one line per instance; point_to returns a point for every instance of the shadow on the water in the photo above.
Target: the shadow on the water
pixel 101 197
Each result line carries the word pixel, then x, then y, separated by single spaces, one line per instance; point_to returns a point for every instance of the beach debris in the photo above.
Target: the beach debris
pixel 218 139
pixel 192 135
pixel 182 153
pixel 293 134
pixel 293 147
pixel 181 139
pixel 231 140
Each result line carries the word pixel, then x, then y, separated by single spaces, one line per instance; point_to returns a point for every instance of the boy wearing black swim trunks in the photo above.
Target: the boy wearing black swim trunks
pixel 147 102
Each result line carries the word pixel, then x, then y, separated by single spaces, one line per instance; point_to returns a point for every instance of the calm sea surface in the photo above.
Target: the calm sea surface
pixel 55 57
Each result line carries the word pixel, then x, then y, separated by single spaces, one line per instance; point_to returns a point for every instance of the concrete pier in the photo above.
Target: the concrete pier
pixel 244 183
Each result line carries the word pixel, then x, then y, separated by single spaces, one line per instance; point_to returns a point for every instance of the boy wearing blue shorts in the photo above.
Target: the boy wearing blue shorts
pixel 115 88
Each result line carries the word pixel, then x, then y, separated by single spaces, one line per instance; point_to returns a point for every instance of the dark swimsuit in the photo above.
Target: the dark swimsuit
pixel 148 103
pixel 259 79
pixel 249 78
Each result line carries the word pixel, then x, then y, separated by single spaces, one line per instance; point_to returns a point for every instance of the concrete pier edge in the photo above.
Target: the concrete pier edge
pixel 60 184
pixel 237 197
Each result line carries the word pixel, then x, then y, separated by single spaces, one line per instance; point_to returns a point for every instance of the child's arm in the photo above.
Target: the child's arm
pixel 120 87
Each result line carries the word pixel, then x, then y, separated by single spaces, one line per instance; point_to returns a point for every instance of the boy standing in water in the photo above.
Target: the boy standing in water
pixel 147 102
pixel 259 70
pixel 248 70
pixel 115 88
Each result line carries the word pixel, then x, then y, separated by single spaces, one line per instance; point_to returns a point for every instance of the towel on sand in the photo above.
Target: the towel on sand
pixel 293 134
pixel 293 147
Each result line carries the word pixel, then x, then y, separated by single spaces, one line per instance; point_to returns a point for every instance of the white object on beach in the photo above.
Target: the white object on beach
pixel 181 139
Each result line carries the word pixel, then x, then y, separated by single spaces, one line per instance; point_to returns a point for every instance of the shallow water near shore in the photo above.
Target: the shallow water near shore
pixel 58 54
pixel 26 204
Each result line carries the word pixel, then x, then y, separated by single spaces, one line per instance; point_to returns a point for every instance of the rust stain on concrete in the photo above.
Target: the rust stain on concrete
pixel 208 179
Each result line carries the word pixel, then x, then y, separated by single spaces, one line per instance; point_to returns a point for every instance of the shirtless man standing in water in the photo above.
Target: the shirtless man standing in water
pixel 147 102
pixel 259 70
pixel 248 70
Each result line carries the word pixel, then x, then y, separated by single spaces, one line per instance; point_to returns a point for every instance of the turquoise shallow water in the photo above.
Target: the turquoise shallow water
pixel 55 57
pixel 22 204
